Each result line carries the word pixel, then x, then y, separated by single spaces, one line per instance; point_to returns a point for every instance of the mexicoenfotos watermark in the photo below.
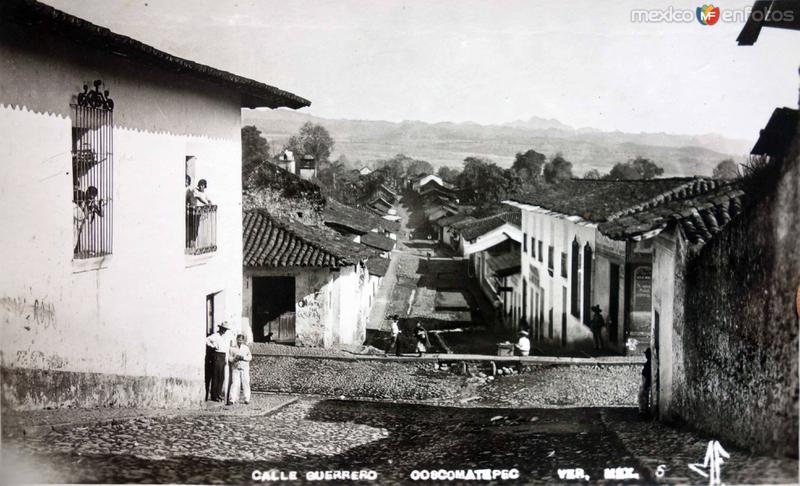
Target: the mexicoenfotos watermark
pixel 709 14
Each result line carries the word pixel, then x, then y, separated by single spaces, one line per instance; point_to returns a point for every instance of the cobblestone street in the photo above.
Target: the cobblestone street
pixel 392 439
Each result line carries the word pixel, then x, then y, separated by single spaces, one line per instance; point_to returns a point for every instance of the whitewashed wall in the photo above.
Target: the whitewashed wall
pixel 135 322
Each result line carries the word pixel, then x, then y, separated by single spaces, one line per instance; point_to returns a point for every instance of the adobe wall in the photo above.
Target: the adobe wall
pixel 738 375
pixel 331 306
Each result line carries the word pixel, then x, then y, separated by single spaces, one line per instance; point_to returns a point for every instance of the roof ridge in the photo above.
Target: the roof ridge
pixel 692 187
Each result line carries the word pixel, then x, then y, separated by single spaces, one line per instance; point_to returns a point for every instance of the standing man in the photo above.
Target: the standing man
pixel 220 342
pixel 422 338
pixel 596 325
pixel 644 388
pixel 240 371
pixel 395 335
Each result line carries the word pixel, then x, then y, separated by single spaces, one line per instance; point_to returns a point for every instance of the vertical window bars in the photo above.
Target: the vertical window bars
pixel 92 173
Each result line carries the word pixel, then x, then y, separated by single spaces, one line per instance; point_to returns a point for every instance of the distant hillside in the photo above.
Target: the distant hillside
pixel 447 144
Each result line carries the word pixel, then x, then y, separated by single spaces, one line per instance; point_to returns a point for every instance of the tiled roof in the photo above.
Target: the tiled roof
pixel 360 221
pixel 602 200
pixel 375 240
pixel 470 230
pixel 378 266
pixel 776 138
pixel 380 201
pixel 433 185
pixel 40 18
pixel 272 242
pixel 700 216
pixel 451 220
pixel 505 264
pixel 448 209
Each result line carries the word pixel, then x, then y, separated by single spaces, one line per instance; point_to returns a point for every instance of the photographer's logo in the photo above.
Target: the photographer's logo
pixel 712 463
pixel 708 14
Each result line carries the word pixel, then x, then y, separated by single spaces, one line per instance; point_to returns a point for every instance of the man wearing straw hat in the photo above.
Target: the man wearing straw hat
pixel 220 342
pixel 523 344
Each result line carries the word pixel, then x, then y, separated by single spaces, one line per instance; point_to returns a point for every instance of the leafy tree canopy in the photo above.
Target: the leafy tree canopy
pixel 448 174
pixel 638 168
pixel 482 180
pixel 558 169
pixel 255 151
pixel 592 174
pixel 528 165
pixel 726 169
pixel 312 140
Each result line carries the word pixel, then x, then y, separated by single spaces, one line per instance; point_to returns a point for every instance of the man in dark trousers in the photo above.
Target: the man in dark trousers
pixel 220 342
pixel 596 325
pixel 644 390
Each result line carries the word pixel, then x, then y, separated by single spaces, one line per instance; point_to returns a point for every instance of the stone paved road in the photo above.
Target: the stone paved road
pixel 392 439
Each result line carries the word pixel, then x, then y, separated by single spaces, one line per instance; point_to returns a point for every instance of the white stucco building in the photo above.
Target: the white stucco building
pixel 105 286
pixel 569 263
pixel 305 285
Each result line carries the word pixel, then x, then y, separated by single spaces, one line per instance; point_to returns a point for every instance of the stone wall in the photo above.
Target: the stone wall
pixel 737 375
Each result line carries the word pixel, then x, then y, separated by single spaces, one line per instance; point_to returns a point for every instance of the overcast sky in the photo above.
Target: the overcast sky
pixel 584 63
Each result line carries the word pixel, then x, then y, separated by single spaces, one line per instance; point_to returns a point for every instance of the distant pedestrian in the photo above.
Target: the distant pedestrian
pixel 240 358
pixel 644 389
pixel 221 343
pixel 422 338
pixel 596 325
pixel 395 336
pixel 523 346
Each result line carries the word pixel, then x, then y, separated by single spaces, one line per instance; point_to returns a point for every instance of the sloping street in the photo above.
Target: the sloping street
pixel 394 440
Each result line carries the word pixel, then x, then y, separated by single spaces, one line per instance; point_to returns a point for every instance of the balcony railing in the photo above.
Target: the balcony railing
pixel 201 229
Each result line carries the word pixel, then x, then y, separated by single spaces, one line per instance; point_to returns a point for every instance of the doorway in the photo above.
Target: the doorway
pixel 274 309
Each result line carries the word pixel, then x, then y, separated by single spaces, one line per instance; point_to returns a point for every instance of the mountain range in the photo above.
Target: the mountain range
pixel 447 144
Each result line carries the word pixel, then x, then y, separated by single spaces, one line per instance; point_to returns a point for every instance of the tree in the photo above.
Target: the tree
pixel 528 165
pixel 726 169
pixel 558 169
pixel 638 168
pixel 255 151
pixel 482 181
pixel 592 174
pixel 448 174
pixel 417 167
pixel 311 140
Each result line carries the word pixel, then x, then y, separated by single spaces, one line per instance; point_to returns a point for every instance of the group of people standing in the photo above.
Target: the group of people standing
pixel 227 352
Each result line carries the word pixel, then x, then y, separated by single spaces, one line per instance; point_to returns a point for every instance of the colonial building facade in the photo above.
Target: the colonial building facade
pixel 114 262
pixel 569 265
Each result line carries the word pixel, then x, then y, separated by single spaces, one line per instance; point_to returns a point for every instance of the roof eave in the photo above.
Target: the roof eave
pixel 44 18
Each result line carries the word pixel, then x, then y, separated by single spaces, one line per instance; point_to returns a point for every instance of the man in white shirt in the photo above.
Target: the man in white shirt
pixel 240 358
pixel 395 335
pixel 524 344
pixel 221 343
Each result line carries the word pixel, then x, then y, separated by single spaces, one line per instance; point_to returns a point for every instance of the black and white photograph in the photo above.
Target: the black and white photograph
pixel 424 242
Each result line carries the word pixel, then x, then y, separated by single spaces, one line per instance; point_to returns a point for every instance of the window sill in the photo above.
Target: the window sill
pixel 192 260
pixel 80 265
